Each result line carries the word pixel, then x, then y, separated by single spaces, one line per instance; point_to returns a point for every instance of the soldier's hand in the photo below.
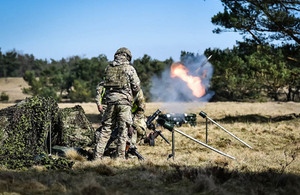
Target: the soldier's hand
pixel 100 108
pixel 130 131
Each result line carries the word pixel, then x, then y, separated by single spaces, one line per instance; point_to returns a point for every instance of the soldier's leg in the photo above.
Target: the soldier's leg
pixel 124 121
pixel 140 124
pixel 141 134
pixel 103 136
pixel 133 139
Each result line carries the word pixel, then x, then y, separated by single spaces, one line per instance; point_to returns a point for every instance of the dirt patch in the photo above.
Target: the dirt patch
pixel 13 86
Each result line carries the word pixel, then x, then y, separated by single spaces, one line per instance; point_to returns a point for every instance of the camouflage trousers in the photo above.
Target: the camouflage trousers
pixel 140 127
pixel 114 115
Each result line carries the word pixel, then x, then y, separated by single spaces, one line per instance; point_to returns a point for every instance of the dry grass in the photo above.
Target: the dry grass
pixel 73 155
pixel 272 167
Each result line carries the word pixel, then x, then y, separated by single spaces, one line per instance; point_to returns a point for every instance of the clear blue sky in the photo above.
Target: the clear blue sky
pixel 63 28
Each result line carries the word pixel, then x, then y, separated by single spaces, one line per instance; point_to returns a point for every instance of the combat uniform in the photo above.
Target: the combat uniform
pixel 121 84
pixel 138 111
pixel 139 121
pixel 101 97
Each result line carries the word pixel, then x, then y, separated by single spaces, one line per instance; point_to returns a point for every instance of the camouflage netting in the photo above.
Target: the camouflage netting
pixel 77 130
pixel 25 130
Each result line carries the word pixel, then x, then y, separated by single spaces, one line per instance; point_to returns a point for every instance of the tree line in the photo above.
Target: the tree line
pixel 252 72
pixel 256 69
pixel 246 72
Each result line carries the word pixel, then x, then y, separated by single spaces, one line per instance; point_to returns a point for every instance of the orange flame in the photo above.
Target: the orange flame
pixel 193 82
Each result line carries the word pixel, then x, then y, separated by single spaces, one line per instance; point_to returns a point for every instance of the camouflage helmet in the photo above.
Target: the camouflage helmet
pixel 124 50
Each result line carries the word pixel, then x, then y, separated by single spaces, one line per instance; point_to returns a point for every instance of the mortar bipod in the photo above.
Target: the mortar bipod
pixel 171 128
pixel 204 115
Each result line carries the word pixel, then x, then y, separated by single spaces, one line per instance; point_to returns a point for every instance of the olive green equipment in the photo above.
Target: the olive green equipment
pixel 179 119
pixel 155 133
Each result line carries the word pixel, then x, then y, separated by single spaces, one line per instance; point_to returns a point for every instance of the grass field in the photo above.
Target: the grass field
pixel 271 167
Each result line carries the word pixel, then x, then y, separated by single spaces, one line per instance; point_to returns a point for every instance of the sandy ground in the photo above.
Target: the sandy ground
pixel 12 86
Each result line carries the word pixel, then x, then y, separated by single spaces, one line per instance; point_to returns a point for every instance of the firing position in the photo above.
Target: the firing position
pixel 137 134
pixel 121 84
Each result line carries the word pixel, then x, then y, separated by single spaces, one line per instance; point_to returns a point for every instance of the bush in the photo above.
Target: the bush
pixel 4 97
pixel 80 92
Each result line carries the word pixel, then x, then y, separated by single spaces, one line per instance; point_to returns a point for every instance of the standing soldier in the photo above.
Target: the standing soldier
pixel 121 84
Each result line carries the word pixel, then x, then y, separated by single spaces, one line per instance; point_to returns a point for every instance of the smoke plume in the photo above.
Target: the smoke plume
pixel 169 90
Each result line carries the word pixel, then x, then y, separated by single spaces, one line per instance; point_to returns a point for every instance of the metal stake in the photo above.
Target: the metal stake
pixel 206 131
pixel 224 154
pixel 204 115
pixel 171 128
pixel 173 145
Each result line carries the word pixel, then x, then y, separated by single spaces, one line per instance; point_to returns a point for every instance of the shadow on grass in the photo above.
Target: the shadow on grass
pixel 258 118
pixel 94 118
pixel 148 178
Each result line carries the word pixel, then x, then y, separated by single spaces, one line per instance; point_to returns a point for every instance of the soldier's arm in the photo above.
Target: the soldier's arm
pixel 134 81
pixel 141 102
pixel 100 92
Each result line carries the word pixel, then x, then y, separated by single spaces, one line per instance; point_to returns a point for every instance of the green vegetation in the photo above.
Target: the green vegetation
pixel 247 72
pixel 254 69
pixel 146 68
pixel 251 72
pixel 4 97
pixel 263 67
pixel 263 20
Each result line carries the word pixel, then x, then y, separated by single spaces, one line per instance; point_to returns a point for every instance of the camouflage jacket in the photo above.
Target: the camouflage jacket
pixel 121 82
pixel 139 103
pixel 100 94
